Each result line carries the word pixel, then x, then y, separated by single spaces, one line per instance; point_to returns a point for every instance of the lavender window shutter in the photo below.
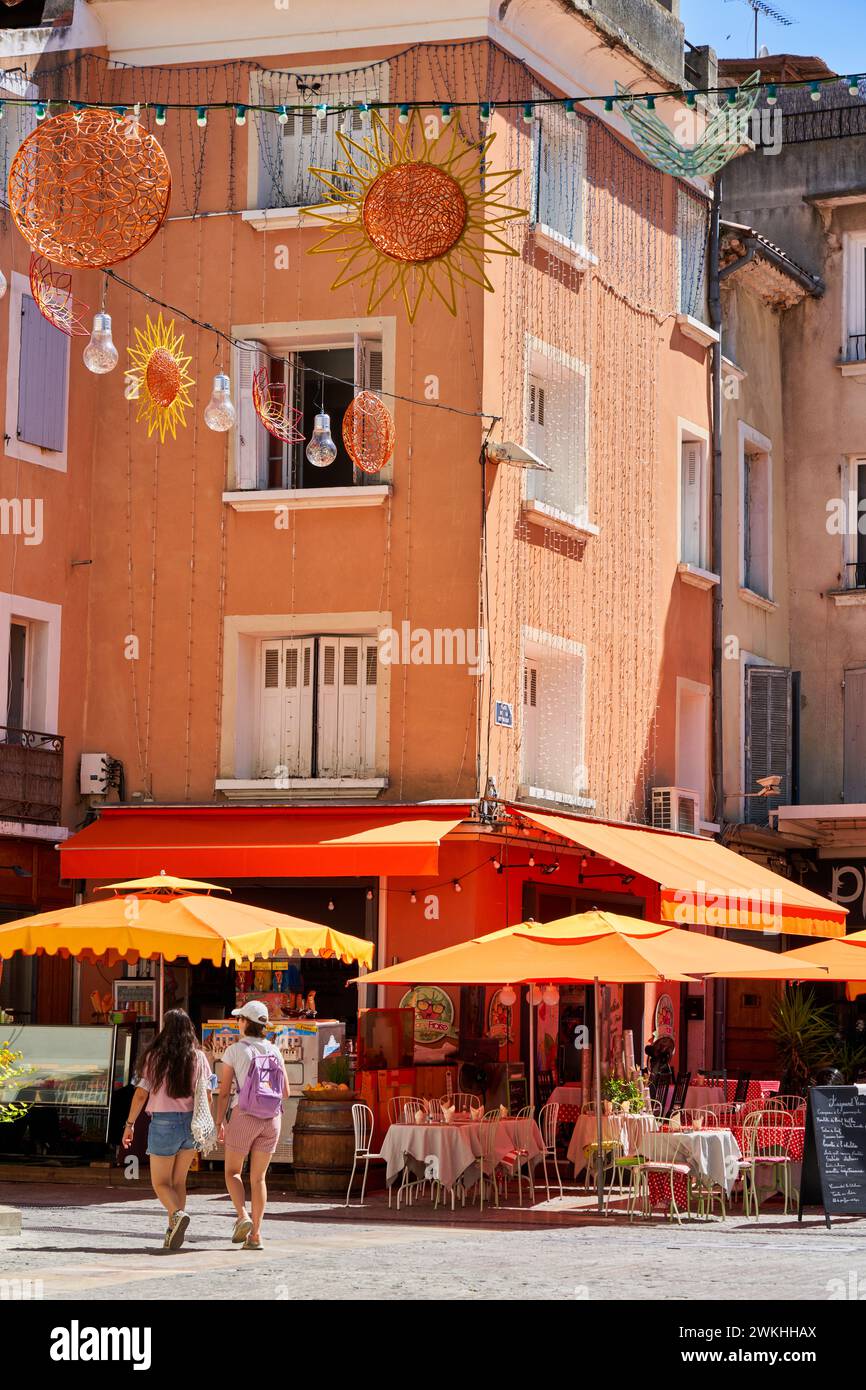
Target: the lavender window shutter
pixel 41 380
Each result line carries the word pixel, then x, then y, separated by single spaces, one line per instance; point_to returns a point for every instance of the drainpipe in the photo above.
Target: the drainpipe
pixel 719 987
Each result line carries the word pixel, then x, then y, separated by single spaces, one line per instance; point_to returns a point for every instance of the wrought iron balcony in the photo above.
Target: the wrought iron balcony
pixel 31 776
pixel 856 347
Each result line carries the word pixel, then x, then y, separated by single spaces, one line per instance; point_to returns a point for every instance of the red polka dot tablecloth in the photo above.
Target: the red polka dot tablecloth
pixel 791 1139
pixel 757 1090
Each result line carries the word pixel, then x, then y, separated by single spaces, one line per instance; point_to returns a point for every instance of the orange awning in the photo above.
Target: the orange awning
pixel 257 842
pixel 702 883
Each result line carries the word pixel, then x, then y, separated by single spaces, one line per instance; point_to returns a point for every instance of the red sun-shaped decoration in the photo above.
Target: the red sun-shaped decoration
pixel 52 294
pixel 269 403
pixel 368 433
pixel 87 189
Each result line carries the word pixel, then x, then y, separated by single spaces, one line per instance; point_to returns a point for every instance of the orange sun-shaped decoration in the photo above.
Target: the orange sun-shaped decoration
pixel 412 216
pixel 158 379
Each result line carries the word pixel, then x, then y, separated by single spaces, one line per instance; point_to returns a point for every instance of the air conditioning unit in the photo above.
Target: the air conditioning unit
pixel 676 808
pixel 93 777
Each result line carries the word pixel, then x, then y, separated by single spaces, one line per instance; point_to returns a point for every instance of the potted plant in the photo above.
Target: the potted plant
pixel 803 1032
pixel 623 1094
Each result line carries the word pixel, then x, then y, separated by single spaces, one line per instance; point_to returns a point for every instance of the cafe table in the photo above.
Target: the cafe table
pixel 445 1152
pixel 569 1098
pixel 624 1130
pixel 712 1155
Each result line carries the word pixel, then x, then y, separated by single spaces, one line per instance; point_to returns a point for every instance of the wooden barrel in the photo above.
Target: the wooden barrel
pixel 324 1143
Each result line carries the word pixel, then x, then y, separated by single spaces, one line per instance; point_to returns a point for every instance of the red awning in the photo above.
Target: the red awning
pixel 259 842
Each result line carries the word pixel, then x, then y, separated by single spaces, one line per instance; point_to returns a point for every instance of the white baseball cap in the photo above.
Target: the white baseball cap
pixel 255 1011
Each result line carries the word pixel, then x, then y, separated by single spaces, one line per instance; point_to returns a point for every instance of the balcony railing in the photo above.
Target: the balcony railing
pixel 856 574
pixel 31 776
pixel 856 347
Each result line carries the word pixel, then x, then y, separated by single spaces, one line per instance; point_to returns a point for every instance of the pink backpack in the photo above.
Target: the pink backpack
pixel 262 1092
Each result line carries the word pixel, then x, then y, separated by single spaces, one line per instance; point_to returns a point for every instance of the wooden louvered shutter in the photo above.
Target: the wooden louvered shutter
pixel 691 504
pixel 530 722
pixel 251 437
pixel 327 762
pixel 769 737
pixel 42 380
pixel 271 709
pixel 297 702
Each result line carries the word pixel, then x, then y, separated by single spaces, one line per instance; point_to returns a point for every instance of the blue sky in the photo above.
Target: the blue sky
pixel 834 30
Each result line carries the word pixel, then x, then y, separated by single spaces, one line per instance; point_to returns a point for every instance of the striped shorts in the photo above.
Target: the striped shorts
pixel 248 1134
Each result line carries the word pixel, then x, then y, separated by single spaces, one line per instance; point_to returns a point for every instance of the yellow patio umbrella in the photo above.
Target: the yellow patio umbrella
pixel 589 947
pixel 198 927
pixel 843 958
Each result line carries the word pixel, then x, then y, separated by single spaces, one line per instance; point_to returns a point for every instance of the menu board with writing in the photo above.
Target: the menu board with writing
pixel 834 1153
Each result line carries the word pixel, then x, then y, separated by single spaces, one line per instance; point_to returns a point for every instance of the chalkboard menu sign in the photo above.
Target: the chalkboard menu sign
pixel 834 1152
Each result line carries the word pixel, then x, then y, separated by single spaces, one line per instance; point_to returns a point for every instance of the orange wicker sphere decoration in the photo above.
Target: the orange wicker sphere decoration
pixel 415 212
pixel 88 190
pixel 368 433
pixel 52 294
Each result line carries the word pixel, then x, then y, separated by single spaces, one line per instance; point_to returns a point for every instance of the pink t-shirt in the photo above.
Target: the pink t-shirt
pixel 159 1101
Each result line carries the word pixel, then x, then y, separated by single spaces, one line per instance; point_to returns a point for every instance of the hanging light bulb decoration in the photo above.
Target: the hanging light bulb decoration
pixel 321 450
pixel 100 355
pixel 508 996
pixel 550 995
pixel 219 413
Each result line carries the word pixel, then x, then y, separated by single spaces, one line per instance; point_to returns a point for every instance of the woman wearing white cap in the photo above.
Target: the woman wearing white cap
pixel 256 1117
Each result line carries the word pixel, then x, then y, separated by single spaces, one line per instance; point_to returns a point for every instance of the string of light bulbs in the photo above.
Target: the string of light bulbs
pixel 284 111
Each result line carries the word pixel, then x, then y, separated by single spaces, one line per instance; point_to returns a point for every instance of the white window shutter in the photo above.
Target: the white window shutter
pixel 271 677
pixel 691 503
pixel 329 713
pixel 351 704
pixel 368 377
pixel 371 684
pixel 251 437
pixel 855 278
pixel 536 442
pixel 297 692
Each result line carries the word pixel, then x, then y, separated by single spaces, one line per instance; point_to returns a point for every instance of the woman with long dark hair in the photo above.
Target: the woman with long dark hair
pixel 169 1075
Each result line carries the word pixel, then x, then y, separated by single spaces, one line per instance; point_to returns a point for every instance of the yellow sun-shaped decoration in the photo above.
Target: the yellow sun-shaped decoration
pixel 158 379
pixel 412 216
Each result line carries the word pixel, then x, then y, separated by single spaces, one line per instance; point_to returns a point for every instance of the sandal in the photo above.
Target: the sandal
pixel 243 1226
pixel 252 1243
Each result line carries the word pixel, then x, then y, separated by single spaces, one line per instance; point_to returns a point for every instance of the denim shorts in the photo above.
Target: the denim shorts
pixel 170 1131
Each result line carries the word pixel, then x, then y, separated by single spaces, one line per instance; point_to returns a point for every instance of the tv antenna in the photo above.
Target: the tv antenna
pixel 760 7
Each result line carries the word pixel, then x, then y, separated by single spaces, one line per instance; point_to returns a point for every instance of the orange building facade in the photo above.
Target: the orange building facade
pixel 272 656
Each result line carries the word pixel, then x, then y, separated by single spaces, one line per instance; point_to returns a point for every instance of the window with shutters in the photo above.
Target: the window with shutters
pixel 854 538
pixel 557 430
pixel 854 300
pixel 284 152
pixel 692 240
pixel 756 513
pixel 322 378
pixel 693 741
pixel 559 187
pixel 694 502
pixel 552 725
pixel 318 707
pixel 770 739
pixel 37 382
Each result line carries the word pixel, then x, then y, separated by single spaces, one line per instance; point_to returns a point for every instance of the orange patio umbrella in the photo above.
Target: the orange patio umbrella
pixel 590 947
pixel 843 958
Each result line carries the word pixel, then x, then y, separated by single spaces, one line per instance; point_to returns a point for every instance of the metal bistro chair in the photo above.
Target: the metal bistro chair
pixel 681 1089
pixel 402 1109
pixel 519 1158
pixel 657 1150
pixel 741 1091
pixel 548 1123
pixel 767 1136
pixel 362 1122
pixel 488 1161
pixel 461 1100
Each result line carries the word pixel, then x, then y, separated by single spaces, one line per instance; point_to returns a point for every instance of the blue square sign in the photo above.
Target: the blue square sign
pixel 504 714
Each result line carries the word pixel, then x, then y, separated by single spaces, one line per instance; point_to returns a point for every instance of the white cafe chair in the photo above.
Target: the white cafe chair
pixel 362 1121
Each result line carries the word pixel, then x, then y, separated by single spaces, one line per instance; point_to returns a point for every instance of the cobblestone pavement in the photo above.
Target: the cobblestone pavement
pixel 93 1243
